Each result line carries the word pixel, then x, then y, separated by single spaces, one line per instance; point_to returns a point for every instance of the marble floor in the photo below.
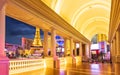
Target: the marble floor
pixel 79 69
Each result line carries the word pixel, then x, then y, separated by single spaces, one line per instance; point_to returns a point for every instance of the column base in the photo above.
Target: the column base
pixel 118 59
pixel 68 60
pixel 52 62
pixel 4 65
pixel 113 59
pixel 78 59
pixel 73 60
pixel 49 62
pixel 57 63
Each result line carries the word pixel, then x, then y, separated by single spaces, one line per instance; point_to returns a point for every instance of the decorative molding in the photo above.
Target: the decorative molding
pixel 114 19
pixel 40 10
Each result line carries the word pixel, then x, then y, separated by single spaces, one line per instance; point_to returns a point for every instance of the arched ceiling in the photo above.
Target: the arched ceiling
pixel 89 17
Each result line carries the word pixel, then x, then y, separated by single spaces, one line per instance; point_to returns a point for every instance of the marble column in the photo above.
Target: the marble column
pixel 65 46
pixel 114 43
pixel 118 43
pixel 117 46
pixel 4 61
pixel 71 46
pixel 113 51
pixel 45 44
pixel 88 51
pixel 2 32
pixel 53 42
pixel 56 61
pixel 2 4
pixel 113 48
pixel 75 51
pixel 80 49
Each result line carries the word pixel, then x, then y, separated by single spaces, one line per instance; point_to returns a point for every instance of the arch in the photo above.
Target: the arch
pixel 53 4
pixel 58 5
pixel 85 7
pixel 92 25
pixel 91 20
pixel 95 31
pixel 85 20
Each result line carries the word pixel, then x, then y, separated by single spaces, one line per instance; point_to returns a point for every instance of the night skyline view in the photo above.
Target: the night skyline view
pixel 15 30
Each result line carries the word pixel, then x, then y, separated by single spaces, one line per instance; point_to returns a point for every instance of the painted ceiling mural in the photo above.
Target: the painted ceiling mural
pixel 89 17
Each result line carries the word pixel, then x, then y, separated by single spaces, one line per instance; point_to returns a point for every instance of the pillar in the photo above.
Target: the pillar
pixel 45 44
pixel 80 52
pixel 65 46
pixel 56 62
pixel 113 51
pixel 2 32
pixel 114 43
pixel 87 50
pixel 53 42
pixel 75 51
pixel 2 4
pixel 117 45
pixel 83 50
pixel 4 61
pixel 80 49
pixel 112 48
pixel 71 46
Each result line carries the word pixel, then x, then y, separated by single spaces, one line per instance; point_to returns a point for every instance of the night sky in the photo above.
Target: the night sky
pixel 15 30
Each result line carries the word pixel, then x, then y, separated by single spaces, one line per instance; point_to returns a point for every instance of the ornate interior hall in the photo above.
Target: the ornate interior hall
pixel 69 37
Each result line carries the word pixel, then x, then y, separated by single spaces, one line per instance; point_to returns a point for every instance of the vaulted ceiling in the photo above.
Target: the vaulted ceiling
pixel 89 17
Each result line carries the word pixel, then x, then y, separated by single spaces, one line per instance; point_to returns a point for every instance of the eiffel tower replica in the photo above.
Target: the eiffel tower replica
pixel 37 41
pixel 37 47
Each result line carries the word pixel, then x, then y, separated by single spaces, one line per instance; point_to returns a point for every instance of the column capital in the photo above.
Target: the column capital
pixel 45 30
pixel 65 38
pixel 53 28
pixel 80 42
pixel 2 4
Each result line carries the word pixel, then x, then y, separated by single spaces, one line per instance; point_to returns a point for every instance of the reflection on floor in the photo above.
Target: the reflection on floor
pixel 79 69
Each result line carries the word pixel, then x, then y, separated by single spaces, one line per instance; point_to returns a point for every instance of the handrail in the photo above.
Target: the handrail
pixel 62 61
pixel 19 66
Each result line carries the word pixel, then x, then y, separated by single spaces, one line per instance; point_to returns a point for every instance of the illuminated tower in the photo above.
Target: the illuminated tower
pixel 37 40
pixel 36 47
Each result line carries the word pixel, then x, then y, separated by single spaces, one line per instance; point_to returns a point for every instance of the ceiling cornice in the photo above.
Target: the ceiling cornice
pixel 114 19
pixel 39 9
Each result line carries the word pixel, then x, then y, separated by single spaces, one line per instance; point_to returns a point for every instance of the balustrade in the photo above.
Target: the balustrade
pixel 18 66
pixel 62 61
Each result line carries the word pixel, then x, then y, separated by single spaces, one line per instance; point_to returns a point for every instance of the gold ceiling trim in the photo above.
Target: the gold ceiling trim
pixel 53 4
pixel 83 26
pixel 85 7
pixel 58 6
pixel 94 32
pixel 97 27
